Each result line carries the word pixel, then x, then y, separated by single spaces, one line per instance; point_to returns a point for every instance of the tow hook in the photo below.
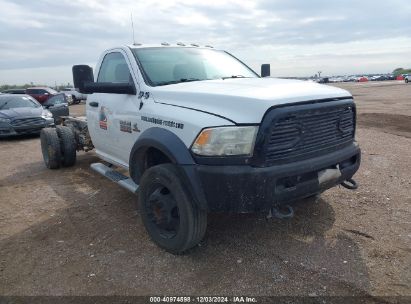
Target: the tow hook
pixel 350 184
pixel 285 212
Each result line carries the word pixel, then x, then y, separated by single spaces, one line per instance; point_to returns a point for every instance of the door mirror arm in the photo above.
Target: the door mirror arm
pixel 110 87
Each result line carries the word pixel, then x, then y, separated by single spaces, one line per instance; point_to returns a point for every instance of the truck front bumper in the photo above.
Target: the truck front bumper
pixel 242 189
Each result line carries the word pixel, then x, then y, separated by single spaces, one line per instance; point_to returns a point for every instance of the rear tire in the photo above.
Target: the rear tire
pixel 68 145
pixel 172 218
pixel 50 147
pixel 406 80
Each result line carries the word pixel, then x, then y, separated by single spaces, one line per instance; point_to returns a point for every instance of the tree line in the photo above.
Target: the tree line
pixel 400 71
pixel 4 87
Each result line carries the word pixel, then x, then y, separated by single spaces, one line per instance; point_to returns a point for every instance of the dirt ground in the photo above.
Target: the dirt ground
pixel 73 232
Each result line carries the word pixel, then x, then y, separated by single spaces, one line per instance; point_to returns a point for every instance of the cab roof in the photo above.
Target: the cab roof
pixel 166 44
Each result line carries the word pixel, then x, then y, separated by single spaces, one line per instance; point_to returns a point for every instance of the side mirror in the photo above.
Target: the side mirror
pixel 265 70
pixel 83 79
pixel 82 74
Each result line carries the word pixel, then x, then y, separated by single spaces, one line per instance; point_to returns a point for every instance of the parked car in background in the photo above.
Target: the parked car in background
pixel 382 77
pixel 58 105
pixel 22 114
pixel 323 80
pixel 77 96
pixel 69 98
pixel 14 91
pixel 362 79
pixel 41 94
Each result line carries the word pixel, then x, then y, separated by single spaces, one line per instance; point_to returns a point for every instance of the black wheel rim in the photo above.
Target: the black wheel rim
pixel 163 213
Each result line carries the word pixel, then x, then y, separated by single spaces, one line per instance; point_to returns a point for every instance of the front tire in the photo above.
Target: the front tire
pixel 406 80
pixel 171 216
pixel 50 147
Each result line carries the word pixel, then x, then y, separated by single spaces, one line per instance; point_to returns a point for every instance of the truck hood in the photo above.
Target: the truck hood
pixel 21 112
pixel 242 100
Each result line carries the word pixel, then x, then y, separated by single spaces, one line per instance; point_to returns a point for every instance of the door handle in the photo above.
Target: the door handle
pixel 93 104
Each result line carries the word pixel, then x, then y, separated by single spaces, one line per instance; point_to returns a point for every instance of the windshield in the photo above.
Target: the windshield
pixel 11 102
pixel 163 66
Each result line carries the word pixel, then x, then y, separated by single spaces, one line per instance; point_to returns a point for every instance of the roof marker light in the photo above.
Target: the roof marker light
pixel 180 44
pixel 194 44
pixel 165 43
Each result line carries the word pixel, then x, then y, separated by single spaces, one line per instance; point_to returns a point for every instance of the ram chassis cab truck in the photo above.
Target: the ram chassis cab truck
pixel 198 131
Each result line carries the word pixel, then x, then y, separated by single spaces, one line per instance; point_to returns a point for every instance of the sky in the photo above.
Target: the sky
pixel 40 40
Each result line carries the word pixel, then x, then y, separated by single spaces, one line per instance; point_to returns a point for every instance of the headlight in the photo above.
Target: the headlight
pixel 6 120
pixel 46 114
pixel 225 141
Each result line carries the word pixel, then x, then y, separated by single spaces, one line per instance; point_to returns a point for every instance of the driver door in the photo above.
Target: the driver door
pixel 109 114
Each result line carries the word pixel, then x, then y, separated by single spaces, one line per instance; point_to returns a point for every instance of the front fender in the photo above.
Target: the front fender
pixel 175 149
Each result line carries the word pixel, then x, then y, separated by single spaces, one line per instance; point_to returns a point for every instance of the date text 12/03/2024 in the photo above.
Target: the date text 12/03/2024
pixel 203 299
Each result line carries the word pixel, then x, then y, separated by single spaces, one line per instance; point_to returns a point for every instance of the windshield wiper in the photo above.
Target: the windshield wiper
pixel 178 81
pixel 190 79
pixel 234 76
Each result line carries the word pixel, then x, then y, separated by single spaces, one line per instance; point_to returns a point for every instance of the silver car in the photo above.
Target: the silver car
pixel 22 114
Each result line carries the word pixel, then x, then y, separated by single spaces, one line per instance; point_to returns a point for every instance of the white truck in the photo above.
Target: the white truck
pixel 76 96
pixel 199 131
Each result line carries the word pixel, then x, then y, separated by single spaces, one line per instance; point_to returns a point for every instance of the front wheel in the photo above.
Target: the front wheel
pixel 171 216
pixel 406 80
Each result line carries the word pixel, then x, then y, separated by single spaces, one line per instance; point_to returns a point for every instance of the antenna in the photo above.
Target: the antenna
pixel 132 26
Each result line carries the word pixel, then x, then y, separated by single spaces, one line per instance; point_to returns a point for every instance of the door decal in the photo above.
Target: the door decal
pixel 135 128
pixel 103 118
pixel 125 126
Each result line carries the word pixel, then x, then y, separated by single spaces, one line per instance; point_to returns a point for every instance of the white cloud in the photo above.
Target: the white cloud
pixel 39 38
pixel 11 14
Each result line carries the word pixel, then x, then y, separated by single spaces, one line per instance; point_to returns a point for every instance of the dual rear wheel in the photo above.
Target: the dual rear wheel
pixel 58 146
